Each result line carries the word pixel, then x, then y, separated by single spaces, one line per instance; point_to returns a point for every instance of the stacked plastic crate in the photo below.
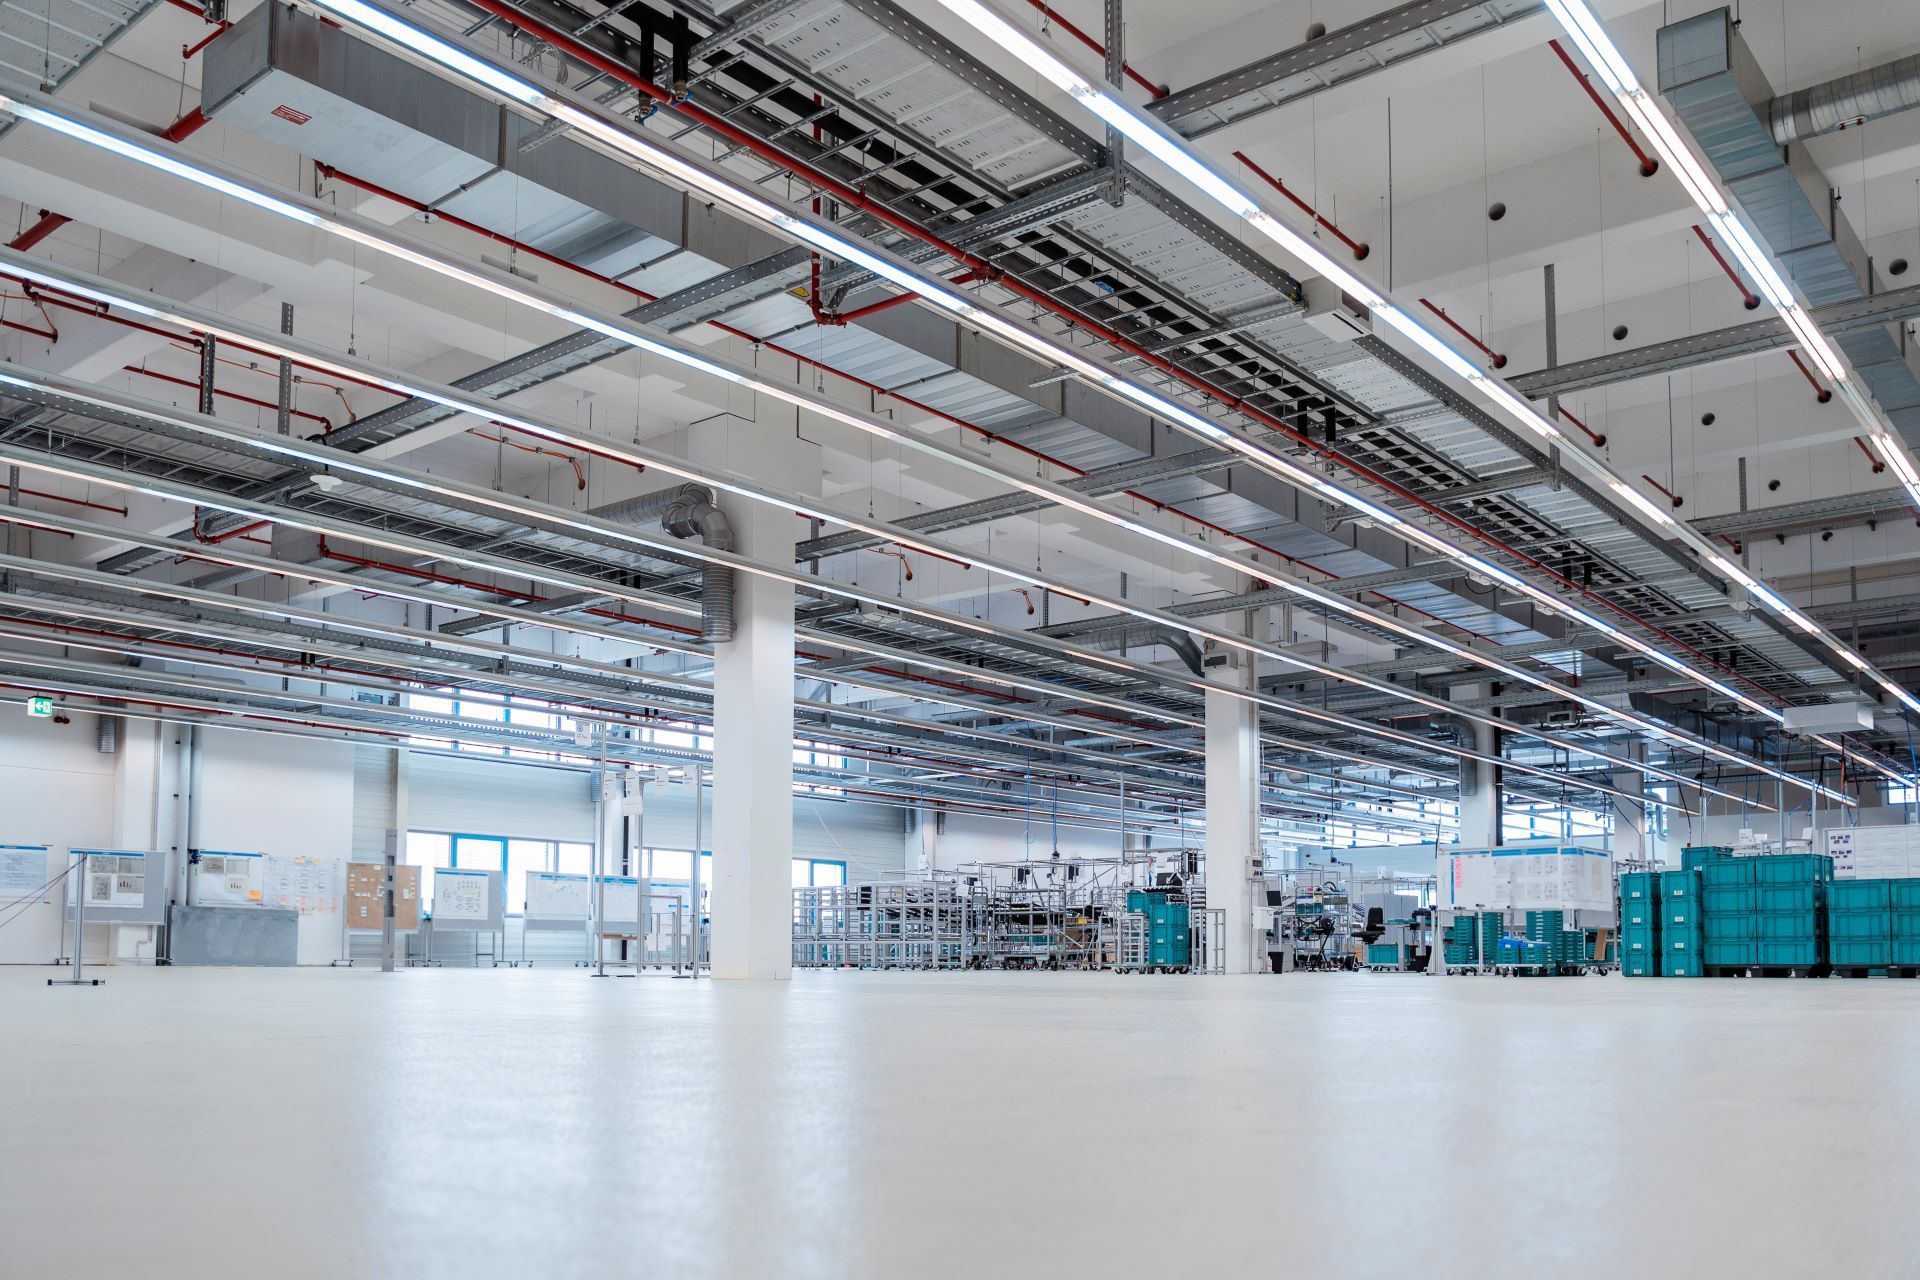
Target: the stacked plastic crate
pixel 1730 911
pixel 1681 934
pixel 1640 924
pixel 1905 895
pixel 1462 935
pixel 1562 949
pixel 1860 924
pixel 1696 856
pixel 1790 933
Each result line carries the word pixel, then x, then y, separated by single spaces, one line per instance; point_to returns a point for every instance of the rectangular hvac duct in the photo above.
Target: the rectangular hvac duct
pixel 285 76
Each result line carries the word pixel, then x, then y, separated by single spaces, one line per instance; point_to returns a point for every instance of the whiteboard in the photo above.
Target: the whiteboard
pixel 226 879
pixel 311 886
pixel 466 899
pixel 623 902
pixel 554 896
pixel 23 873
pixel 1525 878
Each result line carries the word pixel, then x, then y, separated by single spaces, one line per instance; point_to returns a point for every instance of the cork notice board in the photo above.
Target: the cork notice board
pixel 363 896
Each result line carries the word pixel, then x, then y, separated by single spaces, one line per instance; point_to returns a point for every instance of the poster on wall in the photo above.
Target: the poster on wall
pixel 23 872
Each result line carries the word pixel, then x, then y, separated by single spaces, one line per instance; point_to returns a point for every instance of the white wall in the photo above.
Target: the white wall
pixel 283 795
pixel 262 793
pixel 56 789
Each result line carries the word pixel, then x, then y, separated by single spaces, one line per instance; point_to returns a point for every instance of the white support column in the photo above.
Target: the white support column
pixel 1630 816
pixel 752 895
pixel 1233 803
pixel 1480 824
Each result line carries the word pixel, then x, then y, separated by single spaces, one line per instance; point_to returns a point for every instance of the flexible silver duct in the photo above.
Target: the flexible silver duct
pixel 1830 107
pixel 684 511
pixel 1460 731
pixel 1184 646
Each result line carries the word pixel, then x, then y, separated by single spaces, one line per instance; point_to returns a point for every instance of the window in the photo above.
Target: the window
pixel 573 859
pixel 427 850
pixel 488 709
pixel 1902 795
pixel 818 871
pixel 815 757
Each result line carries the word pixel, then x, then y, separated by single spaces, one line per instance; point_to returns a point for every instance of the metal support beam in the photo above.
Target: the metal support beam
pixel 1338 57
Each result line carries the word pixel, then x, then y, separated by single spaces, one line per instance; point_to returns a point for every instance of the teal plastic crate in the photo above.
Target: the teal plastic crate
pixel 1905 894
pixel 1638 940
pixel 1860 895
pixel 1787 926
pixel 1384 953
pixel 1790 897
pixel 1873 923
pixel 1906 951
pixel 1638 886
pixel 1695 856
pixel 1681 913
pixel 1906 922
pixel 1642 966
pixel 1734 954
pixel 1640 912
pixel 1493 927
pixel 1680 965
pixel 1681 942
pixel 1861 953
pixel 1793 868
pixel 1727 871
pixel 1782 953
pixel 1729 899
pixel 1679 884
pixel 1729 928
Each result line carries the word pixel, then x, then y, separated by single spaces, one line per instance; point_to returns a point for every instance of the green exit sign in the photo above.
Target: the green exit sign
pixel 40 706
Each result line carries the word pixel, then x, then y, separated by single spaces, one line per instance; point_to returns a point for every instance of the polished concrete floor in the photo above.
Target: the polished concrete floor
pixel 540 1123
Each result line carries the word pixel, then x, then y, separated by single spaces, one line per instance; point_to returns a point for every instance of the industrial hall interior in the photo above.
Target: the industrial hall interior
pixel 728 638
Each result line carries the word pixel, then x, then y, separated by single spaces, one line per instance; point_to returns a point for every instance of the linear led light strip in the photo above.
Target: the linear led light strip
pixel 657 156
pixel 1613 69
pixel 1173 151
pixel 412 481
pixel 405 479
pixel 362 232
pixel 196 319
pixel 1176 153
pixel 225 555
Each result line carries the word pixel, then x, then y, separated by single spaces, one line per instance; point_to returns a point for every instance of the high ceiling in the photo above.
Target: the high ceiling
pixel 915 135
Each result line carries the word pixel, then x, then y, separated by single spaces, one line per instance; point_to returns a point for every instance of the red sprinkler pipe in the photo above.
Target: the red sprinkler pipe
pixel 858 199
pixel 1158 91
pixel 48 224
pixel 1752 300
pixel 1822 394
pixel 1599 441
pixel 1359 249
pixel 186 126
pixel 1874 458
pixel 1648 165
pixel 326 424
pixel 1671 496
pixel 1499 361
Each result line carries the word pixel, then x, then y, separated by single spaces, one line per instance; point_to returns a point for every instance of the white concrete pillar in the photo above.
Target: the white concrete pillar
pixel 1480 781
pixel 752 895
pixel 1233 804
pixel 1630 816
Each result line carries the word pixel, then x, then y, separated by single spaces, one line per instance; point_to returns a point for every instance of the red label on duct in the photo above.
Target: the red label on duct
pixel 290 115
